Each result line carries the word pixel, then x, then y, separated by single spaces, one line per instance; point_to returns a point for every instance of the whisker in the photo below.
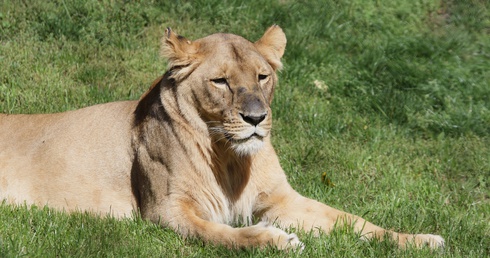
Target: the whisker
pixel 219 139
pixel 210 122
pixel 230 146
pixel 216 131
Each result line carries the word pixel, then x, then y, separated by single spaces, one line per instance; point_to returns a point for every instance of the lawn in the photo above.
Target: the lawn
pixel 382 110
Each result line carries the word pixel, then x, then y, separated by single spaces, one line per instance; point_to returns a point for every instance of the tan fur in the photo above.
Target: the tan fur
pixel 193 153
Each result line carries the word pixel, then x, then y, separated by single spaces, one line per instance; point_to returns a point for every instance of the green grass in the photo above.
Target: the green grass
pixel 398 119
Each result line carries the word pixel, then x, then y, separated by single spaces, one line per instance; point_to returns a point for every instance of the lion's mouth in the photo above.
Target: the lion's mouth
pixel 253 136
pixel 248 145
pixel 244 142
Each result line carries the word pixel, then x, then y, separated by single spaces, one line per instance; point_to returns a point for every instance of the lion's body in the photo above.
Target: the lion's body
pixel 194 153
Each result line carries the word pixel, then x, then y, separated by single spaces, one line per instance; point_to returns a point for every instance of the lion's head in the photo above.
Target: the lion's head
pixel 231 82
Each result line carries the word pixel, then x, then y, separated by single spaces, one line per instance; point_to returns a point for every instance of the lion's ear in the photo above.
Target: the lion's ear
pixel 178 50
pixel 272 46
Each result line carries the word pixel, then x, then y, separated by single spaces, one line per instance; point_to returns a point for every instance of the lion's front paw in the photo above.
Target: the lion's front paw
pixel 433 241
pixel 294 243
pixel 281 239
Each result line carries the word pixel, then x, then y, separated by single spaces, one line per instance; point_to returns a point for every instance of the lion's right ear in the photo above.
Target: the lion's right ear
pixel 179 51
pixel 272 45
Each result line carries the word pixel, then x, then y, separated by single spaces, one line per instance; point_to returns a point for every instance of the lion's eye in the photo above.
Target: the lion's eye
pixel 263 77
pixel 220 81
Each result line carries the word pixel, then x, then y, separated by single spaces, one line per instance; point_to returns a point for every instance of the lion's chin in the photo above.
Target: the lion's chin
pixel 248 147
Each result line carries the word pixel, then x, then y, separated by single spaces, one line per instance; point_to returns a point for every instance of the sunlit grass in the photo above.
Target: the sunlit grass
pixel 389 99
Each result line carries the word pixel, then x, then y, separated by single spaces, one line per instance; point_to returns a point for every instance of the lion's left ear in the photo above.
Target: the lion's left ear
pixel 178 50
pixel 272 45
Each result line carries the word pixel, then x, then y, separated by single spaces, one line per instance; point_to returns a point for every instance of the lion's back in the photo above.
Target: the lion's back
pixel 73 160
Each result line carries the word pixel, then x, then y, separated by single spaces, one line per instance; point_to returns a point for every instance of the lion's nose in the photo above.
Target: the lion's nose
pixel 253 119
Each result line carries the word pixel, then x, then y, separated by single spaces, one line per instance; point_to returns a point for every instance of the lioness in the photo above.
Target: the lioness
pixel 194 153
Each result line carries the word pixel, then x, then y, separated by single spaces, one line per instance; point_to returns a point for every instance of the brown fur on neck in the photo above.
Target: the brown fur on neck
pixel 149 103
pixel 231 171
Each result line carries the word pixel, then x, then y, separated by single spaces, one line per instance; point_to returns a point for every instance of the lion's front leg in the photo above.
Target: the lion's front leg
pixel 290 209
pixel 189 224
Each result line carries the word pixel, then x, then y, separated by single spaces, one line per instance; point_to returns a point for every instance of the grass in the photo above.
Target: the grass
pixel 390 99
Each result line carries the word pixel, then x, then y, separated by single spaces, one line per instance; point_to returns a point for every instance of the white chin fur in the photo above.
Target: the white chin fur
pixel 249 147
